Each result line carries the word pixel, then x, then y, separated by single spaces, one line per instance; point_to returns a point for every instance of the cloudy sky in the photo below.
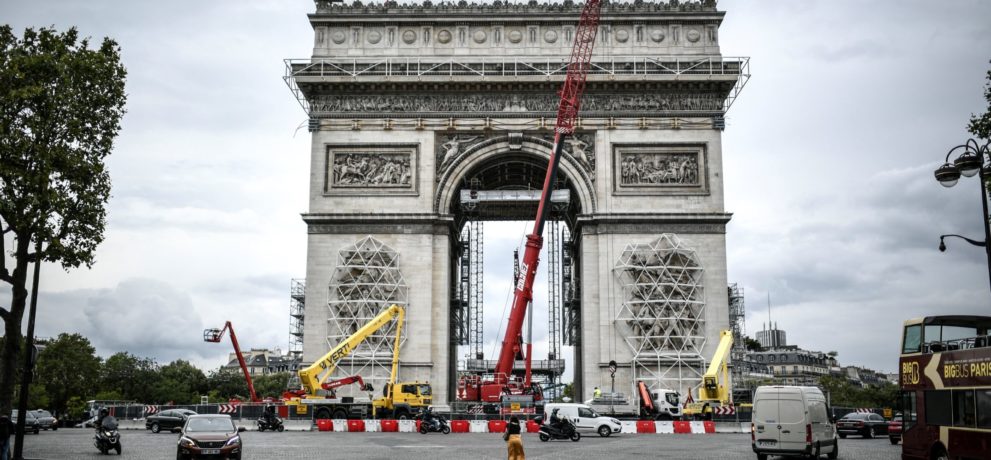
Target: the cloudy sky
pixel 828 155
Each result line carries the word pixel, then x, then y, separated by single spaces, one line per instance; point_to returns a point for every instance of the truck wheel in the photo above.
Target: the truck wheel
pixel 604 431
pixel 340 414
pixel 402 415
pixel 322 414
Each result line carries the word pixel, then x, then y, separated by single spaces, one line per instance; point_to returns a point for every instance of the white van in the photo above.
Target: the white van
pixel 790 420
pixel 584 417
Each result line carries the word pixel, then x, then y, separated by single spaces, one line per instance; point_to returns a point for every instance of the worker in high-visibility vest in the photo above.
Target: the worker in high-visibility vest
pixel 597 393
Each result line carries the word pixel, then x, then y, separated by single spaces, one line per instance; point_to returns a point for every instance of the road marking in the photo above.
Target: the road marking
pixel 420 446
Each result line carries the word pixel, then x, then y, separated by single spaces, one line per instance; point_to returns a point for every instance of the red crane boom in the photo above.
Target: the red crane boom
pixel 215 335
pixel 567 112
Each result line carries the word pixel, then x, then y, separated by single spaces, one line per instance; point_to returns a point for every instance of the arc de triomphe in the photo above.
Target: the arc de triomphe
pixel 410 105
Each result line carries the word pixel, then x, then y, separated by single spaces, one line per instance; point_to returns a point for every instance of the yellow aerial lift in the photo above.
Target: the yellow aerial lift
pixel 716 389
pixel 399 400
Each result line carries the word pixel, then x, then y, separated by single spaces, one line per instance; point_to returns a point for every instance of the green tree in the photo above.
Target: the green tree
pixel 980 125
pixel 179 382
pixel 270 385
pixel 60 109
pixel 67 367
pixel 751 344
pixel 130 376
pixel 225 383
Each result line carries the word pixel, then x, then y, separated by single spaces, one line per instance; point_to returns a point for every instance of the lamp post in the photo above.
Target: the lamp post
pixel 973 160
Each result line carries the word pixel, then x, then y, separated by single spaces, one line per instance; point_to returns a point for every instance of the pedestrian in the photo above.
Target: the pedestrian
pixel 514 443
pixel 597 393
pixel 6 429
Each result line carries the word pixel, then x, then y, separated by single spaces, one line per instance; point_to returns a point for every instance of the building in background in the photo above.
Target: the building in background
pixel 262 361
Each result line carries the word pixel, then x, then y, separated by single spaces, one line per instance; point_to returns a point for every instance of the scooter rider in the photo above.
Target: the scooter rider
pixel 103 413
pixel 429 417
pixel 269 415
pixel 556 422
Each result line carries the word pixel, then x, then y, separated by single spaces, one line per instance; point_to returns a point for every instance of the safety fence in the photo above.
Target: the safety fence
pixel 499 426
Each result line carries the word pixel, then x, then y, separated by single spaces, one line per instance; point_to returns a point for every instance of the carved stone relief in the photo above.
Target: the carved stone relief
pixel 506 103
pixel 579 147
pixel 384 167
pixel 409 37
pixel 693 35
pixel 660 168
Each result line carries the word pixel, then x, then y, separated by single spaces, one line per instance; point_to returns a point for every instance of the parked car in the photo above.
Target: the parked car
pixel 584 418
pixel 214 436
pixel 31 423
pixel 864 424
pixel 895 429
pixel 792 420
pixel 167 420
pixel 46 420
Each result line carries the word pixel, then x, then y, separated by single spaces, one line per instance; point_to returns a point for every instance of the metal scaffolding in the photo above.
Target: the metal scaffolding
pixel 570 295
pixel 476 293
pixel 554 304
pixel 367 280
pixel 662 318
pixel 297 310
pixel 737 316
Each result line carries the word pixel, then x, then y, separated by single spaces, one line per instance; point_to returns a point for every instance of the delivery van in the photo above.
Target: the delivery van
pixel 791 420
pixel 583 417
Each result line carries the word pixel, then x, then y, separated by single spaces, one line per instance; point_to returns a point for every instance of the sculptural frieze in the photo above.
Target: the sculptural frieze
pixel 678 168
pixel 371 168
pixel 568 7
pixel 580 147
pixel 509 103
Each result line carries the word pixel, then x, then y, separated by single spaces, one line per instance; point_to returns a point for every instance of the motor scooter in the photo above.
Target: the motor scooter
pixel 563 429
pixel 107 437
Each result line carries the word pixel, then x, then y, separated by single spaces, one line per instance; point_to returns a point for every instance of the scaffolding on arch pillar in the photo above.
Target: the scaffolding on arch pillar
pixel 297 310
pixel 475 288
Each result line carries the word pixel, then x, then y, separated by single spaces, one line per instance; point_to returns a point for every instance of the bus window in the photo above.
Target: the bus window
pixel 958 332
pixel 984 408
pixel 963 408
pixel 909 411
pixel 913 339
pixel 938 408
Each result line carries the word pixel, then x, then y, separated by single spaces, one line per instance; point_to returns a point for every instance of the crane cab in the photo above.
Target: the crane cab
pixel 402 400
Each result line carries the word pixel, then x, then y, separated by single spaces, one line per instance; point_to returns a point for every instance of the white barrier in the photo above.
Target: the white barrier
pixel 628 426
pixel 664 427
pixel 698 427
pixel 407 426
pixel 478 426
pixel 373 426
pixel 340 426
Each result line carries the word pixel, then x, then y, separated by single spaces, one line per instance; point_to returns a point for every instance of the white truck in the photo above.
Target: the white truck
pixel 656 404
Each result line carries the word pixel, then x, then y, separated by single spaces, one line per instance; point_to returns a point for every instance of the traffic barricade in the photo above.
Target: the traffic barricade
pixel 341 425
pixel 628 426
pixel 497 426
pixel 664 426
pixel 478 426
pixel 356 426
pixel 459 426
pixel 390 426
pixel 698 427
pixel 645 426
pixel 407 426
pixel 710 427
pixel 373 426
pixel 324 424
pixel 532 426
pixel 682 427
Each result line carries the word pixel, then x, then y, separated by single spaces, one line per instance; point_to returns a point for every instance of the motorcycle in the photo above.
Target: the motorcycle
pixel 437 425
pixel 107 437
pixel 273 424
pixel 564 430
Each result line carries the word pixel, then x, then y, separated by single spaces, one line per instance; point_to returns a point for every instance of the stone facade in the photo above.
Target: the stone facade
pixel 410 102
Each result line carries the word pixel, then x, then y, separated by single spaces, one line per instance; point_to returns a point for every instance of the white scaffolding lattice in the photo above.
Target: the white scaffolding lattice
pixel 662 318
pixel 367 280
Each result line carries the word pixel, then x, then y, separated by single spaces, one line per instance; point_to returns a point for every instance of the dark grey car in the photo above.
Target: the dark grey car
pixel 45 419
pixel 167 420
pixel 31 423
pixel 864 424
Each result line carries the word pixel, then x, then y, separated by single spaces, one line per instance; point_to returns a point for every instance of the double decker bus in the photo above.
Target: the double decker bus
pixel 945 378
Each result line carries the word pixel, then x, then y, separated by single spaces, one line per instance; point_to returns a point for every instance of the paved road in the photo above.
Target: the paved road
pixel 77 444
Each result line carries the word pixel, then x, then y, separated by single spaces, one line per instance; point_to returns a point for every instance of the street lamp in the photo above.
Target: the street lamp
pixel 974 159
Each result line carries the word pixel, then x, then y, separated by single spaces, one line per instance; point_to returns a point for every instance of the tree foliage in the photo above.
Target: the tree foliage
pixel 844 393
pixel 980 125
pixel 751 344
pixel 60 109
pixel 68 366
pixel 129 376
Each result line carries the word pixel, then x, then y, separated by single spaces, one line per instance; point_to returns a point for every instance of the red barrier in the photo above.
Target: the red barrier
pixel 646 426
pixel 459 426
pixel 418 423
pixel 532 427
pixel 284 411
pixel 497 426
pixel 710 427
pixel 356 426
pixel 682 427
pixel 390 426
pixel 325 424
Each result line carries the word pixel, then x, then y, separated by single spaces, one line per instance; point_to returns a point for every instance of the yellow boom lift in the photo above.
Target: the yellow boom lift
pixel 399 400
pixel 716 389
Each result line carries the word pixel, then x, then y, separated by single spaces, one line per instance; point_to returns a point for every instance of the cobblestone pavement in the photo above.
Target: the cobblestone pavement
pixel 77 444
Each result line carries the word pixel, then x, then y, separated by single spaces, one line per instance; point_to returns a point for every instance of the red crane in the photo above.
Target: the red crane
pixel 215 335
pixel 574 86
